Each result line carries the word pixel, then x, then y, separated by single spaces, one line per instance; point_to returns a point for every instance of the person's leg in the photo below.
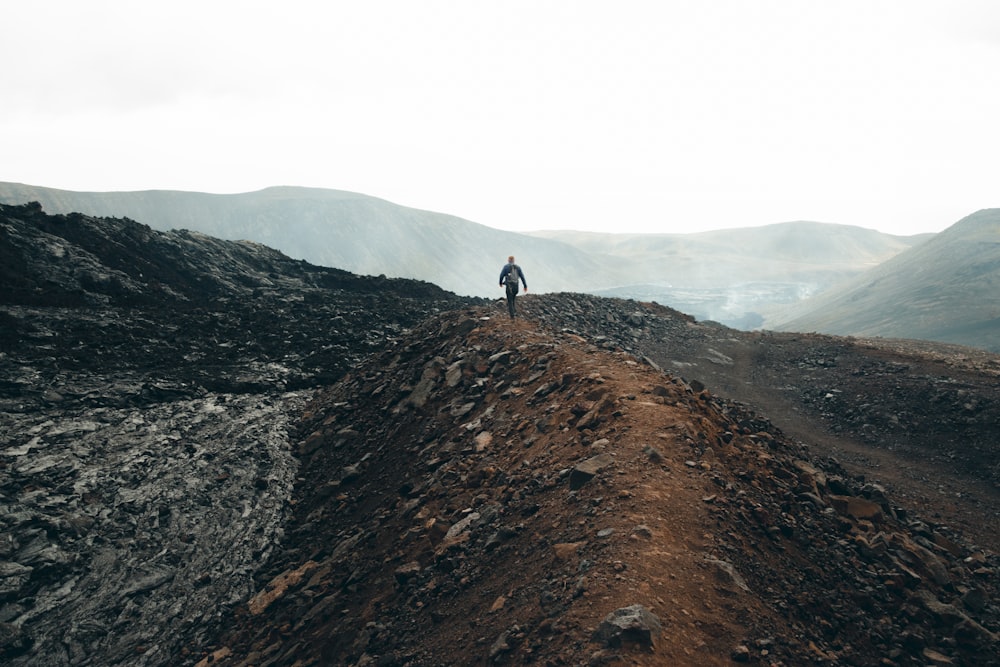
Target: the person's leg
pixel 510 303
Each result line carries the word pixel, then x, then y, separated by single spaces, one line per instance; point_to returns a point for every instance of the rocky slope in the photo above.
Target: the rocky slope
pixel 494 493
pixel 148 382
pixel 177 489
pixel 931 406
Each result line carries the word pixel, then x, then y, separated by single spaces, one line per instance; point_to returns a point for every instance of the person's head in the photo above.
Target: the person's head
pixel 510 260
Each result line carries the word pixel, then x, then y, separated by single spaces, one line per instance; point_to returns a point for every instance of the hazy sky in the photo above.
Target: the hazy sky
pixel 659 116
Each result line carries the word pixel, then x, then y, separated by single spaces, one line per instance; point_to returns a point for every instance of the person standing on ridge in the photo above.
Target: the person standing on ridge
pixel 509 275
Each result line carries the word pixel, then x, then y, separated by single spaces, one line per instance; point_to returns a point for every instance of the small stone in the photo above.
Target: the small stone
pixel 406 572
pixel 858 508
pixel 629 625
pixel 740 654
pixel 653 453
pixel 642 530
pixel 727 576
pixel 483 441
pixel 461 527
pixel 585 471
pixel 935 658
pixel 454 374
pixel 567 550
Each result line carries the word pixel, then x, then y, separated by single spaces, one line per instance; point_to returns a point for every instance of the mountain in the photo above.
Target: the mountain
pixel 731 276
pixel 734 275
pixel 947 289
pixel 354 232
pixel 792 251
pixel 214 454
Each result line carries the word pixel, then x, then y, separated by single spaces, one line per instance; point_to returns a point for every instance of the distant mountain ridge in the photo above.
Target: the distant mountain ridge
pixel 730 276
pixel 947 289
pixel 361 234
pixel 784 251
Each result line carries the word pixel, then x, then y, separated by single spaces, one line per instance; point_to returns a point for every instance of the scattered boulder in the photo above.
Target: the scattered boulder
pixel 727 576
pixel 632 625
pixel 585 471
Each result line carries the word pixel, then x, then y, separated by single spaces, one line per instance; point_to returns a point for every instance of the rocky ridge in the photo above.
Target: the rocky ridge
pixel 918 417
pixel 151 410
pixel 488 493
pixel 149 382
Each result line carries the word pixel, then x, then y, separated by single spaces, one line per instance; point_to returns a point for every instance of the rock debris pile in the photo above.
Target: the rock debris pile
pixel 148 383
pixel 919 418
pixel 120 524
pixel 212 454
pixel 496 493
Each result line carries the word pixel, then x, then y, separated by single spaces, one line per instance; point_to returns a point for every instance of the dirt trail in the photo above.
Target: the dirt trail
pixel 763 371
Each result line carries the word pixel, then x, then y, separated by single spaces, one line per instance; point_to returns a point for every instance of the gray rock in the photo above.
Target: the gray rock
pixel 629 625
pixel 12 640
pixel 585 471
pixel 727 575
pixel 418 397
pixel 173 484
pixel 12 577
pixel 642 530
pixel 654 454
pixel 453 375
pixel 462 526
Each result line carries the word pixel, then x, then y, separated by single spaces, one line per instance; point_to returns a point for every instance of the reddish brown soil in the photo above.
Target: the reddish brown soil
pixel 438 523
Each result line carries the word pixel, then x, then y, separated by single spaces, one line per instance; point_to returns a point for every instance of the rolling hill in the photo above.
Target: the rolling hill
pixel 730 276
pixel 734 275
pixel 361 234
pixel 947 289
pixel 790 251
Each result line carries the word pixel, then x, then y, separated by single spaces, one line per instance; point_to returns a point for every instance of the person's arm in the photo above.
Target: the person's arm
pixel 524 280
pixel 503 272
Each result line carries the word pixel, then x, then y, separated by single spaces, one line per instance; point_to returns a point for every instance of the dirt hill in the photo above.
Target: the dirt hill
pixel 210 452
pixel 489 493
pixel 920 418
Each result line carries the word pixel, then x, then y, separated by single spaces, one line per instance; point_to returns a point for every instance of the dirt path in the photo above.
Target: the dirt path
pixel 761 376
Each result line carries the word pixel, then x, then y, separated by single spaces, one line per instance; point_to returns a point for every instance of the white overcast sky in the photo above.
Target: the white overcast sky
pixel 613 115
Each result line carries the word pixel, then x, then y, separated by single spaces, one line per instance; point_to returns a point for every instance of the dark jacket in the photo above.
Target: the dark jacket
pixel 507 269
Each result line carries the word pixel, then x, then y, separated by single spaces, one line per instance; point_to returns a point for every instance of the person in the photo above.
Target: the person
pixel 509 275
